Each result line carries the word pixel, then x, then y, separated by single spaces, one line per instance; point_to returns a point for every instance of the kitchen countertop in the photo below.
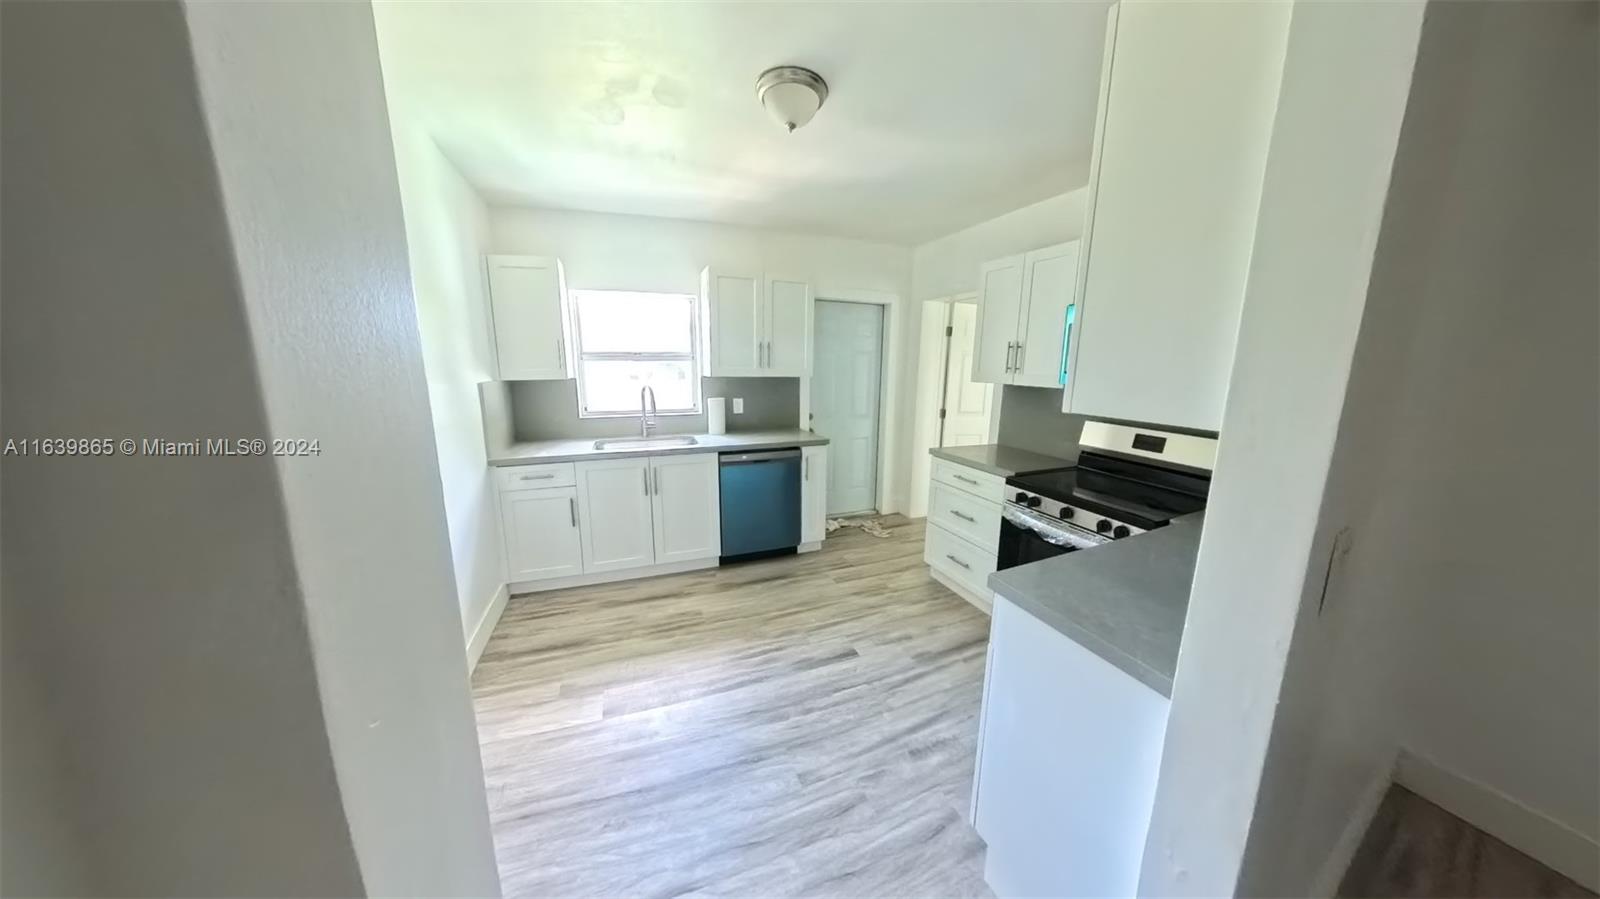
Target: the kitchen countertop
pixel 1124 601
pixel 536 451
pixel 1004 461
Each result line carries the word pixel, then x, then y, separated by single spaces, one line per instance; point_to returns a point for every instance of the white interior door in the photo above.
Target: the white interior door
pixel 845 382
pixel 966 402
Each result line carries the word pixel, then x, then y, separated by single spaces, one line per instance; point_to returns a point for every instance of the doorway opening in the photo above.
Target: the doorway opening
pixel 952 409
pixel 847 400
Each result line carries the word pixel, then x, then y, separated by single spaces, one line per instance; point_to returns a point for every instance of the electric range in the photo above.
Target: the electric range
pixel 1129 479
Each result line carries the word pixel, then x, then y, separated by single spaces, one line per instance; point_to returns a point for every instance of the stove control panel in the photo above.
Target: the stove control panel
pixel 1083 518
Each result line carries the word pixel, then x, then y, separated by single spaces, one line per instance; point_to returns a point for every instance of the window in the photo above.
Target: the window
pixel 629 340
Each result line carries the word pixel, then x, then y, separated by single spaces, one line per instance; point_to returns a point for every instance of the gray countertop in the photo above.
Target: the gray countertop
pixel 534 452
pixel 1004 461
pixel 1124 601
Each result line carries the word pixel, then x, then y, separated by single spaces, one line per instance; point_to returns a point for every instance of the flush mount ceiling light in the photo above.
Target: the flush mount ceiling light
pixel 791 95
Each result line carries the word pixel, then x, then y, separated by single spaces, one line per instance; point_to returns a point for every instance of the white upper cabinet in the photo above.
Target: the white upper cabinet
pixel 687 511
pixel 1049 282
pixel 733 321
pixel 788 308
pixel 1024 303
pixel 528 308
pixel 614 505
pixel 754 325
pixel 999 303
pixel 1187 104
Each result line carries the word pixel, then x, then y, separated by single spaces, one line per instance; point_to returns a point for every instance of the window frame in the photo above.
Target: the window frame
pixel 580 355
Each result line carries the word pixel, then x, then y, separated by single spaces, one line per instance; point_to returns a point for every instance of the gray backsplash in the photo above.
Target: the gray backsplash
pixel 546 410
pixel 1031 419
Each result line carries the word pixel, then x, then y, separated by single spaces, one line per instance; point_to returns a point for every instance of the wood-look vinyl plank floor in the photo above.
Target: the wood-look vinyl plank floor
pixel 1417 849
pixel 801 726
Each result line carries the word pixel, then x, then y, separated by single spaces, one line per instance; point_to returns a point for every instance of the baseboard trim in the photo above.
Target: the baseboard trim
pixel 1344 849
pixel 609 577
pixel 1546 839
pixel 485 627
pixel 985 604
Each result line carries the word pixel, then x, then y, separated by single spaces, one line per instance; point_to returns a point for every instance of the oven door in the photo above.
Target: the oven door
pixel 1027 536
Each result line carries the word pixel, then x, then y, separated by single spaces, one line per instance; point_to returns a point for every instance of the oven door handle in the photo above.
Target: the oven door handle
pixel 1050 530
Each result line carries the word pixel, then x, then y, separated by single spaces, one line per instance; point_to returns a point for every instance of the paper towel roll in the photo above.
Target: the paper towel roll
pixel 717 414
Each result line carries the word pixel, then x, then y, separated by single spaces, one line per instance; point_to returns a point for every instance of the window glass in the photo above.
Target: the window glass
pixel 628 340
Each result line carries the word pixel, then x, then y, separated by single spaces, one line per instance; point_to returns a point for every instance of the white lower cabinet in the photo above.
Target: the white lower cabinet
pixel 614 504
pixel 1069 747
pixel 685 507
pixel 963 533
pixel 541 533
pixel 813 494
pixel 563 520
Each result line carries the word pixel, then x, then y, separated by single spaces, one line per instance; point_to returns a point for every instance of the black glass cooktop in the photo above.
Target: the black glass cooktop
pixel 1141 495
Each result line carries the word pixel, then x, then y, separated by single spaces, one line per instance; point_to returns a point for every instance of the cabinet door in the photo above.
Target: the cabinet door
pixel 999 301
pixel 1175 208
pixel 1050 278
pixel 813 493
pixel 614 514
pixel 527 298
pixel 788 327
pixel 734 324
pixel 687 507
pixel 540 528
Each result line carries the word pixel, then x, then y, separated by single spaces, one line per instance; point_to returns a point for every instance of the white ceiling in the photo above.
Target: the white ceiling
pixel 940 114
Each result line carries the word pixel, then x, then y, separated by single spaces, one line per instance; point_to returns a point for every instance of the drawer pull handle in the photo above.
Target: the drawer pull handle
pixel 536 477
pixel 965 479
pixel 958 561
pixel 964 517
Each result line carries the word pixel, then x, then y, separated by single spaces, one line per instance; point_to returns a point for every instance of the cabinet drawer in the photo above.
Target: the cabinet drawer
pixel 979 483
pixel 527 477
pixel 965 515
pixel 970 565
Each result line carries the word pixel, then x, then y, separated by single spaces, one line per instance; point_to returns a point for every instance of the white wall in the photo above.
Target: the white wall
pixel 949 265
pixel 447 227
pixel 1467 638
pixel 623 252
pixel 312 202
pixel 1345 80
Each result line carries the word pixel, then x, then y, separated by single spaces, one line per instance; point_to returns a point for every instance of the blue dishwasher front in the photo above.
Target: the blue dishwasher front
pixel 760 501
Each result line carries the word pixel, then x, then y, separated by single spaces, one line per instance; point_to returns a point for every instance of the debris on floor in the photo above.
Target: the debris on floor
pixel 867 526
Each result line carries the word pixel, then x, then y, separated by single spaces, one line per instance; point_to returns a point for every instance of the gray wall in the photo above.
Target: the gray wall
pixel 1031 419
pixel 545 410
pixel 1475 386
pixel 251 667
pixel 170 660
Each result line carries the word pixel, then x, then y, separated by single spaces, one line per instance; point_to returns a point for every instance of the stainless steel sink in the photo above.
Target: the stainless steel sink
pixel 644 442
